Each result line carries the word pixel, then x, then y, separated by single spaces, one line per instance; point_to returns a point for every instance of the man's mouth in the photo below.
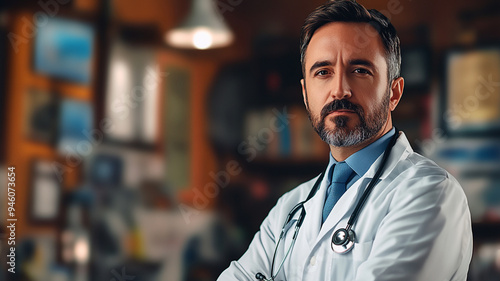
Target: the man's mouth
pixel 342 112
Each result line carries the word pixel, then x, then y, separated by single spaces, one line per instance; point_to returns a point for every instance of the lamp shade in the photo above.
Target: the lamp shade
pixel 204 28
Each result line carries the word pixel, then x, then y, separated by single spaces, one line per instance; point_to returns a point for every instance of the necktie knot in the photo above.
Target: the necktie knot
pixel 341 173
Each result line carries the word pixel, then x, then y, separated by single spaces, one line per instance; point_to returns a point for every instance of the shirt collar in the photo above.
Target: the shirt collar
pixel 361 161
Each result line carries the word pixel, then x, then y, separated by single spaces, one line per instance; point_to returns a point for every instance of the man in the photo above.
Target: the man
pixel 414 225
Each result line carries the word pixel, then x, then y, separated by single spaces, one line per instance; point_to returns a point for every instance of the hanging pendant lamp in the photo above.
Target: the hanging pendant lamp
pixel 204 28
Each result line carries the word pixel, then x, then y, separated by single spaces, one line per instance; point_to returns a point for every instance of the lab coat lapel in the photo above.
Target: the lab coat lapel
pixel 341 210
pixel 314 209
pixel 400 151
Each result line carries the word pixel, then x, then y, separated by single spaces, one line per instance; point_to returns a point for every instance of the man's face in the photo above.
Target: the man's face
pixel 345 85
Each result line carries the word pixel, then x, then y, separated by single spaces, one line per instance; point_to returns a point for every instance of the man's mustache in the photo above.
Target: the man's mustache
pixel 339 105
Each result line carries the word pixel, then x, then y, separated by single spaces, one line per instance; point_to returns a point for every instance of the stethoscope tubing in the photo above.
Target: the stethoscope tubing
pixel 354 216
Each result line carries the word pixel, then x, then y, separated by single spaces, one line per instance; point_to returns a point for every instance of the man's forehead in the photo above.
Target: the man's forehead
pixel 357 39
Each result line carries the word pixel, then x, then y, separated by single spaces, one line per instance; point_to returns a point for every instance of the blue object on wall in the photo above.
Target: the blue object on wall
pixel 63 49
pixel 75 127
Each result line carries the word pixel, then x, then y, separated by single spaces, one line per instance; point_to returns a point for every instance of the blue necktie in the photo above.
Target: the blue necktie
pixel 341 173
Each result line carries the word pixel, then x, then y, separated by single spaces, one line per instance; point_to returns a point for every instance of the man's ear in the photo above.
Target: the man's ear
pixel 397 87
pixel 304 93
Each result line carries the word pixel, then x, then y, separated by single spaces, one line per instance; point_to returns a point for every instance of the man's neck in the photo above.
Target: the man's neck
pixel 342 153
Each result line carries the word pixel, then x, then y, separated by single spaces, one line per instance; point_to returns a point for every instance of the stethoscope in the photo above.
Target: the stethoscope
pixel 342 239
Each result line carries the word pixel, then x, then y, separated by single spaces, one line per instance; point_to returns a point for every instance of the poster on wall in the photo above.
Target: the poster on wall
pixel 45 192
pixel 473 92
pixel 40 115
pixel 64 49
pixel 75 127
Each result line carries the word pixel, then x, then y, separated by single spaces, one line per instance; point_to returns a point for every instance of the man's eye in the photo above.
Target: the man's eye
pixel 322 73
pixel 361 71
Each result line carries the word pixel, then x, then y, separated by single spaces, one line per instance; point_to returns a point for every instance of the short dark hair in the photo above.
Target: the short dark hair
pixel 351 11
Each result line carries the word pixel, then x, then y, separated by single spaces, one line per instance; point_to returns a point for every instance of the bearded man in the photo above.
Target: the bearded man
pixel 379 211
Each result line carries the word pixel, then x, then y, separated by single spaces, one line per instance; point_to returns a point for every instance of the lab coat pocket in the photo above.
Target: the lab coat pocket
pixel 361 251
pixel 344 265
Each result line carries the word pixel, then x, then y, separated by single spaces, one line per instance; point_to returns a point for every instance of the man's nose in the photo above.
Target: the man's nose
pixel 340 87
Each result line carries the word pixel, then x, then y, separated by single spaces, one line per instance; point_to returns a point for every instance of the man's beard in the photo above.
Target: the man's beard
pixel 341 136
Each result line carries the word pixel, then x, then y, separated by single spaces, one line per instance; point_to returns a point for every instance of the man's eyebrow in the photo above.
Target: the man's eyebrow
pixel 319 64
pixel 361 62
pixel 322 63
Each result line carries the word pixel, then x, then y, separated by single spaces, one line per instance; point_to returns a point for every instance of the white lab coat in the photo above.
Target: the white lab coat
pixel 415 225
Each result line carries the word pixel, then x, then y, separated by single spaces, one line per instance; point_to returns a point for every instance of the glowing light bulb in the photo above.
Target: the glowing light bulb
pixel 81 250
pixel 202 39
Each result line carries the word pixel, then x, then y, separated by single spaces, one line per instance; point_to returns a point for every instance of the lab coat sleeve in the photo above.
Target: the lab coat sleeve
pixel 259 254
pixel 426 234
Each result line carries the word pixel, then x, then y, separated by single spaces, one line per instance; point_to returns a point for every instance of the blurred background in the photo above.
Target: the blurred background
pixel 150 138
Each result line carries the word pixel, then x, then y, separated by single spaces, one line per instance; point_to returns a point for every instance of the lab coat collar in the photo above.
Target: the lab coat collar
pixel 400 150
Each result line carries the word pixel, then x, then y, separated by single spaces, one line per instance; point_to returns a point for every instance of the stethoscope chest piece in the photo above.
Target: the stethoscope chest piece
pixel 343 240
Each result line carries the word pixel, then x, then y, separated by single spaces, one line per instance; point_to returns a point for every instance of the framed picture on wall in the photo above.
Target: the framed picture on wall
pixel 46 189
pixel 75 126
pixel 64 49
pixel 41 115
pixel 471 103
